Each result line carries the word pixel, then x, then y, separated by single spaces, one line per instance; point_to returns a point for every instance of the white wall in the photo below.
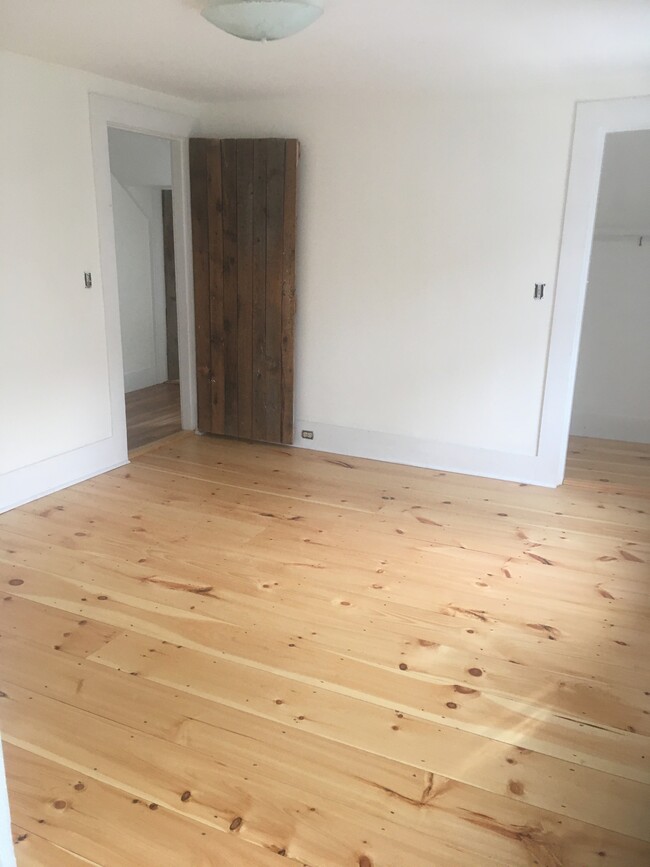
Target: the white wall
pixel 140 169
pixel 54 394
pixel 52 347
pixel 137 215
pixel 423 226
pixel 612 394
pixel 624 194
pixel 140 160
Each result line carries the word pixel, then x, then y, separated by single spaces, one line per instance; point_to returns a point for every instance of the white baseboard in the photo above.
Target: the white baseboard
pixel 45 477
pixel 607 427
pixel 394 448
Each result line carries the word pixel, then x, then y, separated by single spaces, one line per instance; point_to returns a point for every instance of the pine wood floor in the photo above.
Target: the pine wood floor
pixel 239 655
pixel 152 413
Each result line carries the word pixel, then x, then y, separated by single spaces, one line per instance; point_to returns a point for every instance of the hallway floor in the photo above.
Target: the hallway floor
pixel 152 414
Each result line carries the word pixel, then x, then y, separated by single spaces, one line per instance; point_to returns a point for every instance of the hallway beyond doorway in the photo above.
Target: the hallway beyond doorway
pixel 152 413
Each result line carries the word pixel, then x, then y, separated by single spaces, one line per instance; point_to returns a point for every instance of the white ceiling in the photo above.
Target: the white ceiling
pixel 381 44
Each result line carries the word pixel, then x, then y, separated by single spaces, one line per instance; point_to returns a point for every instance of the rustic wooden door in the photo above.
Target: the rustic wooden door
pixel 244 235
pixel 171 308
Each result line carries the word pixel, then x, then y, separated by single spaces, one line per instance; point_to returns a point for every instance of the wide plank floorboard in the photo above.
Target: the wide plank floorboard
pixel 235 654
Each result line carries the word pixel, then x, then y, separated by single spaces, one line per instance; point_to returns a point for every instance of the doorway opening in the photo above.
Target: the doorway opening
pixel 594 121
pixel 141 187
pixel 610 419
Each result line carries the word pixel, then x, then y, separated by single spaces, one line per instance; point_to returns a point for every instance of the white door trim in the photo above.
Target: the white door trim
pixel 593 121
pixel 108 112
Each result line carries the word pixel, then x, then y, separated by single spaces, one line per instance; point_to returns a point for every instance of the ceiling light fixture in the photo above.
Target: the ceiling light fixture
pixel 263 20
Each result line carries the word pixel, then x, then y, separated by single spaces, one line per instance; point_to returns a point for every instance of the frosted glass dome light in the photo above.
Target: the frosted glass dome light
pixel 263 20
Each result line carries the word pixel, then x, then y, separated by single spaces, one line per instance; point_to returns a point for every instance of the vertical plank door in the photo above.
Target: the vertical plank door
pixel 244 242
pixel 170 286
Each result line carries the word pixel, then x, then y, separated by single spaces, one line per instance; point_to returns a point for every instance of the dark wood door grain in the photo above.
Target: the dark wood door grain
pixel 259 290
pixel 215 335
pixel 244 239
pixel 289 285
pixel 201 266
pixel 245 288
pixel 230 287
pixel 170 286
pixel 274 269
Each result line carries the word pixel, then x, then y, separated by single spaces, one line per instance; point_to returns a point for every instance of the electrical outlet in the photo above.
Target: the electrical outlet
pixel 88 280
pixel 308 434
pixel 538 294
